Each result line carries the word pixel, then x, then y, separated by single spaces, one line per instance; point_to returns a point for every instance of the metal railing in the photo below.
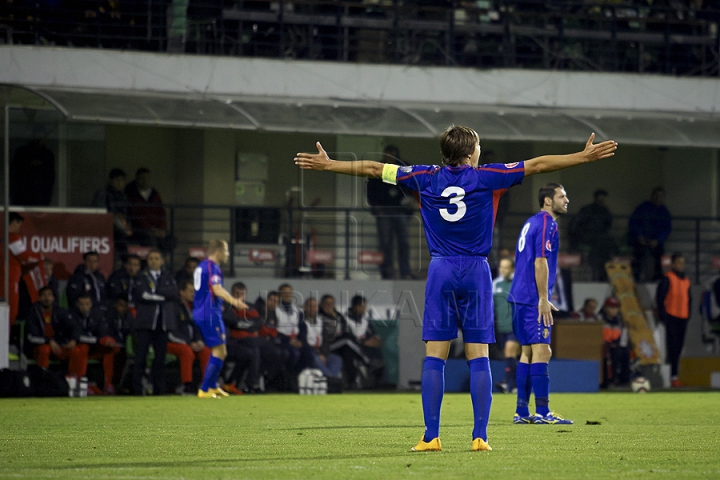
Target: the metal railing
pixel 623 36
pixel 337 242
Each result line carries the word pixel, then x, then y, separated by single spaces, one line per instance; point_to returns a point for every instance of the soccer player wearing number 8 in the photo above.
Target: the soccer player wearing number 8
pixel 535 268
pixel 459 202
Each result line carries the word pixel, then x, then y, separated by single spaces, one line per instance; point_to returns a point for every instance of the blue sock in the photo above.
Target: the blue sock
pixel 433 388
pixel 522 380
pixel 480 394
pixel 212 373
pixel 510 367
pixel 541 386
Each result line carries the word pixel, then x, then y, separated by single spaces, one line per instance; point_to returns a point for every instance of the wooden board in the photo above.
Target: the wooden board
pixel 623 284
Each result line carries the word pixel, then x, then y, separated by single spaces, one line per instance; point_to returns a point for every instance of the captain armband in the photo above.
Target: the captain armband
pixel 389 173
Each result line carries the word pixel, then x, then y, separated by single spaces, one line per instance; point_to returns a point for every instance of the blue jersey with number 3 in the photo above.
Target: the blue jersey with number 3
pixel 459 204
pixel 538 239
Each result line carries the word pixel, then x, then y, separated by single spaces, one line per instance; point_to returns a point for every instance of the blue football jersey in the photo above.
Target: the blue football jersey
pixel 538 239
pixel 207 274
pixel 458 204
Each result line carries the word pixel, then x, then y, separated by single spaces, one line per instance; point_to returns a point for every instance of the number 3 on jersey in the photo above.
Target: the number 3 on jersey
pixel 521 240
pixel 457 201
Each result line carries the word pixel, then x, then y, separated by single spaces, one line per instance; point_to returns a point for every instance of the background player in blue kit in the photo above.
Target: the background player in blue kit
pixel 535 268
pixel 458 207
pixel 207 313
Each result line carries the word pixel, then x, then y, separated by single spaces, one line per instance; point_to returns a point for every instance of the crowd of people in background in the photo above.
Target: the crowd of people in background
pixel 140 320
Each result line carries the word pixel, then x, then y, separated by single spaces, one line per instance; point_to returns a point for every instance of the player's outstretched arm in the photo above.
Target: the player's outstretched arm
pixel 321 162
pixel 219 291
pixel 552 163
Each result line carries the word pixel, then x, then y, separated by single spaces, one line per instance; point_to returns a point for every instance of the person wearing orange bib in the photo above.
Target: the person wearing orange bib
pixel 673 303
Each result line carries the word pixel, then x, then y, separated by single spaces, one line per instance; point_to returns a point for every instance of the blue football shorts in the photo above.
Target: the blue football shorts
pixel 212 329
pixel 526 328
pixel 458 295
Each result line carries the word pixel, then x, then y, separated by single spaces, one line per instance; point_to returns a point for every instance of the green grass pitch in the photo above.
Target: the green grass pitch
pixel 657 435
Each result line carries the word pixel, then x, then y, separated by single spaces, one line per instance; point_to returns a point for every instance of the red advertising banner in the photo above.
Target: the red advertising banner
pixel 63 237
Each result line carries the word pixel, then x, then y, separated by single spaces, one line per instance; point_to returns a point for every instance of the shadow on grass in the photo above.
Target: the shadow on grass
pixel 205 463
pixel 344 427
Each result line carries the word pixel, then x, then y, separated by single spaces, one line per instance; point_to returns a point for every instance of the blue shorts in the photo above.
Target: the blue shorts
pixel 526 328
pixel 212 329
pixel 458 294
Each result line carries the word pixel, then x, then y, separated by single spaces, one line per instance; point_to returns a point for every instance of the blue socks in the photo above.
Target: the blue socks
pixel 212 373
pixel 541 386
pixel 433 388
pixel 522 380
pixel 480 394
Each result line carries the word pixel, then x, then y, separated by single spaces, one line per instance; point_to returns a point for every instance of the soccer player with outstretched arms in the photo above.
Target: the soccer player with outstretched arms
pixel 458 206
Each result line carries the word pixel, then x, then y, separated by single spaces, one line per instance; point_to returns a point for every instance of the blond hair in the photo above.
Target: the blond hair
pixel 215 245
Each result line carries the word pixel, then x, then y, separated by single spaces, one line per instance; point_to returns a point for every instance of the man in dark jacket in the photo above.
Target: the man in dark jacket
pixel 147 213
pixel 49 330
pixel 155 294
pixel 184 338
pixel 120 282
pixel 649 226
pixel 113 199
pixel 88 279
pixel 391 207
pixel 95 340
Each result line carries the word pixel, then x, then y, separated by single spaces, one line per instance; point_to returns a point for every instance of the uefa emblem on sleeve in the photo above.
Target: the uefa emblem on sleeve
pixel 548 246
pixel 512 165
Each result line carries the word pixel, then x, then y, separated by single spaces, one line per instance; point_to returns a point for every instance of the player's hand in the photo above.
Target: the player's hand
pixel 545 309
pixel 240 305
pixel 602 150
pixel 313 161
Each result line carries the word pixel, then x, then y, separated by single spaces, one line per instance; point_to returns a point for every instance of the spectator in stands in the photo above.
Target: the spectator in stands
pixel 648 229
pixel 616 351
pixel 119 322
pixel 95 340
pixel 590 229
pixel 184 338
pixel 391 206
pixel 674 307
pixel 155 294
pixel 588 311
pixel 113 198
pixel 361 330
pixel 147 214
pixel 342 343
pixel 52 281
pixel 506 340
pixel 292 331
pixel 120 282
pixel 51 332
pixel 88 279
pixel 268 308
pixel 319 338
pixel 20 258
pixel 187 272
pixel 32 172
pixel 243 326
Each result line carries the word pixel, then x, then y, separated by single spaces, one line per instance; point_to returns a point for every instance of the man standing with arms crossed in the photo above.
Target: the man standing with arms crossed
pixel 459 202
pixel 535 269
pixel 207 313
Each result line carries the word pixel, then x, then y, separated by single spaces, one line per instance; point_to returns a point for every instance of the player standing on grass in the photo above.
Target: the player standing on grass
pixel 535 268
pixel 207 314
pixel 458 206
